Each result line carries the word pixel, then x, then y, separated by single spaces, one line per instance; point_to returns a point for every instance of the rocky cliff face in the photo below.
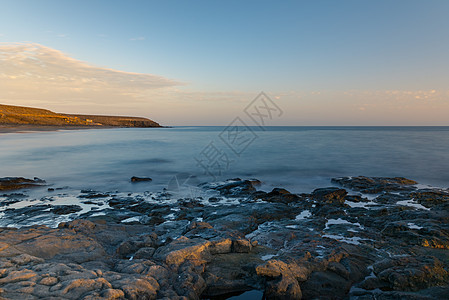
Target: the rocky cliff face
pixel 18 115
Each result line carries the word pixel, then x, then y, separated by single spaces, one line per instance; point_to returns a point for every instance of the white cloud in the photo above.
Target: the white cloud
pixel 32 72
pixel 34 75
pixel 139 38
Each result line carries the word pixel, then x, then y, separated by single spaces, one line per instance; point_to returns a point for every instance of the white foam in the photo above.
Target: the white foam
pixel 303 215
pixel 292 226
pixel 101 213
pixel 267 257
pixel 170 216
pixel 366 205
pixel 412 203
pixel 353 240
pixel 340 221
pixel 132 219
pixel 413 226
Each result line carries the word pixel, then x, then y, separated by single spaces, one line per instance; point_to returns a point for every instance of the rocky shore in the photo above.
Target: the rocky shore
pixel 360 238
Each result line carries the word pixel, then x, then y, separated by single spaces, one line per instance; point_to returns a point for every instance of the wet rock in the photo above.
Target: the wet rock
pixel 431 198
pixel 124 202
pixel 263 212
pixel 327 283
pixel 375 185
pixel 65 209
pixel 277 195
pixel 140 179
pixel 231 273
pixel 321 245
pixel 235 222
pixel 182 249
pixel 241 246
pixel 238 187
pixel 330 195
pixel 221 246
pixel 190 203
pixel 16 183
pixel 144 253
pixel 283 279
pixel 94 195
pixel 411 274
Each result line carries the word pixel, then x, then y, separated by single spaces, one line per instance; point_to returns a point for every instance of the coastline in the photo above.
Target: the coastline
pixel 42 128
pixel 38 128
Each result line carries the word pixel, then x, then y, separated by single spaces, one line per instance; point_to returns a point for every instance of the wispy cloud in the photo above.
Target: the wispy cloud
pixel 35 73
pixel 139 38
pixel 62 35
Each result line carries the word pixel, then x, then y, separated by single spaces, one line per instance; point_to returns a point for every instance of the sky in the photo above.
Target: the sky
pixel 349 62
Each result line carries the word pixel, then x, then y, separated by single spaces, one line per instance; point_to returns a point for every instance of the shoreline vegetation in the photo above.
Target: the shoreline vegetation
pixel 19 118
pixel 359 238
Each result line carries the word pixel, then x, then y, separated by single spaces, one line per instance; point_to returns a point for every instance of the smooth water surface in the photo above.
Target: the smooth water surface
pixel 297 158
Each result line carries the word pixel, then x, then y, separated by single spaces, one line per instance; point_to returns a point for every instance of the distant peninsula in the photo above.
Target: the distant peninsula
pixel 36 117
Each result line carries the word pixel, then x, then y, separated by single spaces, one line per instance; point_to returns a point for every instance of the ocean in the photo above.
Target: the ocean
pixel 297 158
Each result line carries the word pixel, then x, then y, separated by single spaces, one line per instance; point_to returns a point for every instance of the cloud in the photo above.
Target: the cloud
pixel 35 75
pixel 139 38
pixel 32 73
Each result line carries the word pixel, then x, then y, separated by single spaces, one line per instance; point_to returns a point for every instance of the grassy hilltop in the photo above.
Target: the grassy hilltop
pixel 19 115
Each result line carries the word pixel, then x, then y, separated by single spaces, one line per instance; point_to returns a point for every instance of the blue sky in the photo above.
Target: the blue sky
pixel 293 50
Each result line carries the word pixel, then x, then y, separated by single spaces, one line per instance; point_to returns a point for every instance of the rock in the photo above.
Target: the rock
pixel 235 222
pixel 182 249
pixel 325 283
pixel 277 195
pixel 93 195
pixel 231 273
pixel 330 195
pixel 16 183
pixel 140 179
pixel 113 294
pixel 65 209
pixel 16 276
pixel 238 188
pixel 136 288
pixel 283 279
pixel 411 274
pixel 77 287
pixel 322 245
pixel 49 281
pixel 144 253
pixel 241 246
pixel 374 185
pixel 431 198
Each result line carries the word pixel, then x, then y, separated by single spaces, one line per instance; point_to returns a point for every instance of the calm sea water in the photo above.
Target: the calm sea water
pixel 297 158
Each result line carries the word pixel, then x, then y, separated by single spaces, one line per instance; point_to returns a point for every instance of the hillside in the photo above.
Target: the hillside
pixel 19 115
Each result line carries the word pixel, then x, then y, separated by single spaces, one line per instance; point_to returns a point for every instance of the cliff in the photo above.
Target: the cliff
pixel 18 115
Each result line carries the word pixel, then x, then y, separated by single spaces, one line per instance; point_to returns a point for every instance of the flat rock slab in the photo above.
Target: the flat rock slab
pixel 16 183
